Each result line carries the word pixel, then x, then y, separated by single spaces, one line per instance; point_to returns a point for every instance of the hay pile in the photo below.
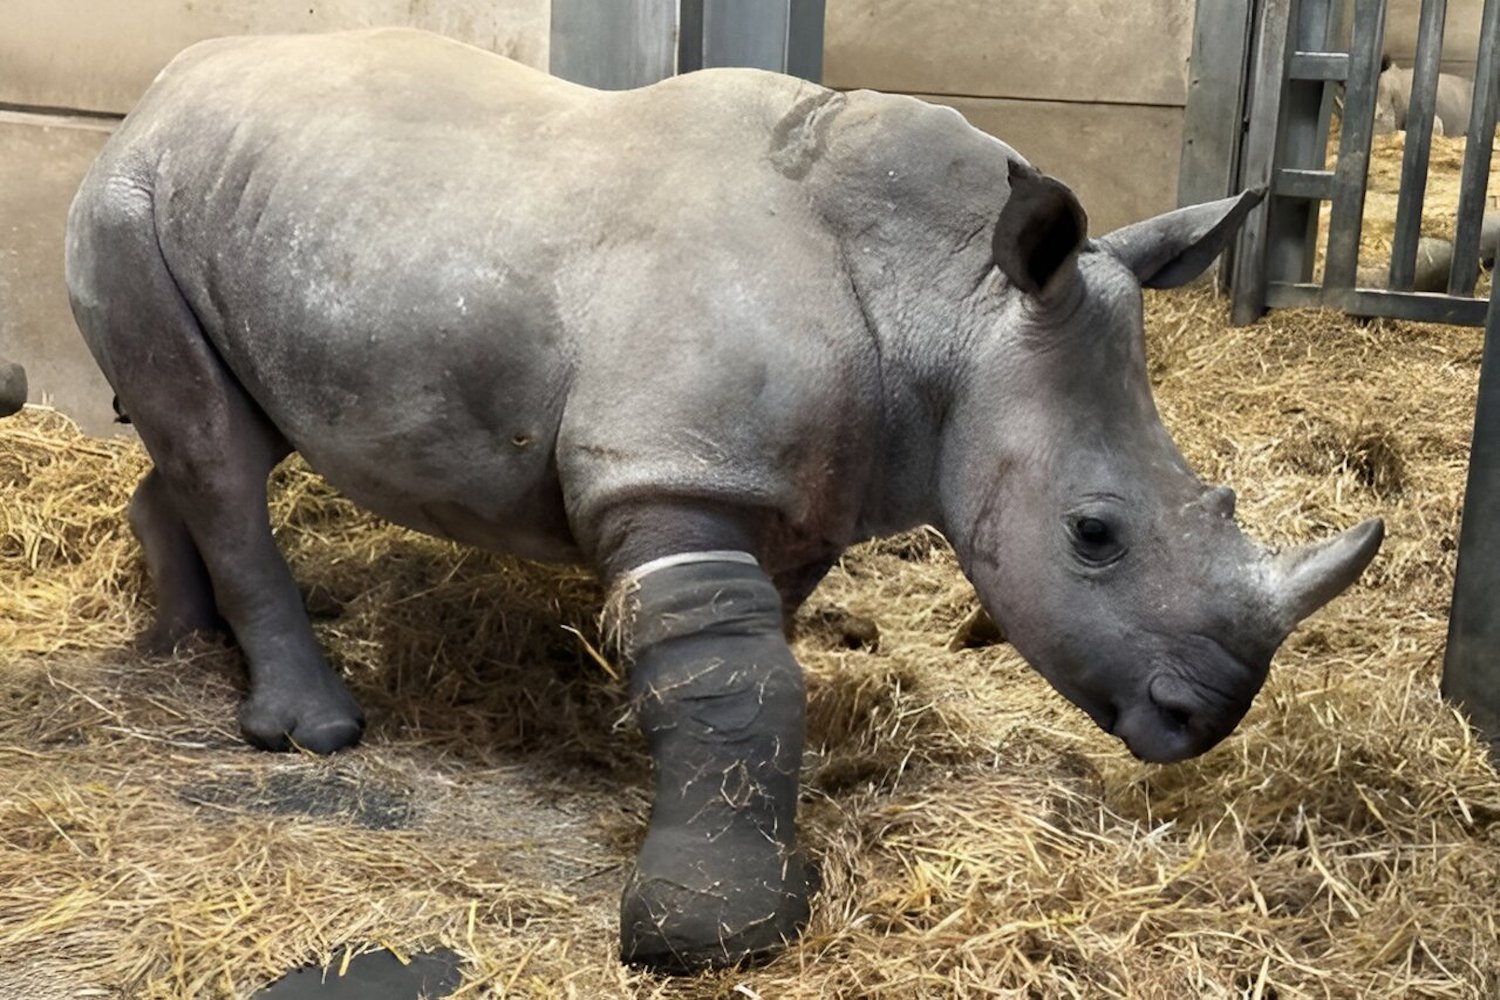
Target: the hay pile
pixel 978 837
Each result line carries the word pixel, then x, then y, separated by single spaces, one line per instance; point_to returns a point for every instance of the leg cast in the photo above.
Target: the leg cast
pixel 721 702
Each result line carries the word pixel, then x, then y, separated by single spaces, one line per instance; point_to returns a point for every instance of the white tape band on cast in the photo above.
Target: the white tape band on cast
pixel 683 558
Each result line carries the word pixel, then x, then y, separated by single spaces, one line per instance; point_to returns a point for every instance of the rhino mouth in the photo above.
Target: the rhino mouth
pixel 1158 738
pixel 1183 709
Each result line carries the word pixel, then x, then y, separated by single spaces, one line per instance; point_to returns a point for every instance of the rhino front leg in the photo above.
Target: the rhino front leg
pixel 720 700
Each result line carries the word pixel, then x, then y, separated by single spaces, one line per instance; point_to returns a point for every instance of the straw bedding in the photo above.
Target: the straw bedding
pixel 978 837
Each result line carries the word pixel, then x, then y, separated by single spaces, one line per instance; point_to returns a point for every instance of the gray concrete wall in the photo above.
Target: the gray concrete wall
pixel 1091 91
pixel 42 160
pixel 98 56
pixel 1460 32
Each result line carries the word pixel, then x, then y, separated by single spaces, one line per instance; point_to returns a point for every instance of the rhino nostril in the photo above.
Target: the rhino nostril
pixel 1176 718
pixel 1170 697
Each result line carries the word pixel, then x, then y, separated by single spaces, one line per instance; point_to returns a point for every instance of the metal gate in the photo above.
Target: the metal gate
pixel 1291 71
pixel 1291 87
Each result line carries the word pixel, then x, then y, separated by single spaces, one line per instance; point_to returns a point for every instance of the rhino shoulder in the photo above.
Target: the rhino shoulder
pixel 925 163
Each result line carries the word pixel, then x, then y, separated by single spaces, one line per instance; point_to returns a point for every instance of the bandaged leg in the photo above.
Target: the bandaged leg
pixel 721 702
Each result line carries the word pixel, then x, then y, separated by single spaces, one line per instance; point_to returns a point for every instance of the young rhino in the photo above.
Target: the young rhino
pixel 526 315
pixel 1393 99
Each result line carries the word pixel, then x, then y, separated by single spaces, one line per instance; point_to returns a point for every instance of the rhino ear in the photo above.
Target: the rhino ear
pixel 1173 249
pixel 1041 229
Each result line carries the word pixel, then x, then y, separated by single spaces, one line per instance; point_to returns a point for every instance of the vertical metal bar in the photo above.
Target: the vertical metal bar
pixel 1346 218
pixel 1333 34
pixel 804 40
pixel 614 46
pixel 736 33
pixel 1471 663
pixel 1481 142
pixel 784 35
pixel 689 35
pixel 1211 126
pixel 1267 87
pixel 1292 223
pixel 1419 114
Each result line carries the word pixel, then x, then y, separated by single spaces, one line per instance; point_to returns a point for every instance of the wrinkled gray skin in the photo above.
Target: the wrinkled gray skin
pixel 1455 95
pixel 12 387
pixel 730 311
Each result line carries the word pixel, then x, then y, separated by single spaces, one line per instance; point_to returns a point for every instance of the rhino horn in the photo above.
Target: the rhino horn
pixel 1305 578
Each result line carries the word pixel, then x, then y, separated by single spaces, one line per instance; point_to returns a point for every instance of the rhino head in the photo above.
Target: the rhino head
pixel 1111 567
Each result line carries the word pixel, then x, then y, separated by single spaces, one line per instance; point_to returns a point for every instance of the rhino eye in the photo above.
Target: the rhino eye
pixel 1093 531
pixel 1096 540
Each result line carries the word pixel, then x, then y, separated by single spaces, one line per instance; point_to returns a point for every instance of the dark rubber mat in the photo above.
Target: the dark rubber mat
pixel 378 975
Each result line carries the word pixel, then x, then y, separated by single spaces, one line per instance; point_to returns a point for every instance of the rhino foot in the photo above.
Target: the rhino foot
pixel 322 720
pixel 695 903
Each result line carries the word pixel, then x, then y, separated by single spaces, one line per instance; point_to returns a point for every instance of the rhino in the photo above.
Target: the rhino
pixel 12 387
pixel 1455 94
pixel 702 337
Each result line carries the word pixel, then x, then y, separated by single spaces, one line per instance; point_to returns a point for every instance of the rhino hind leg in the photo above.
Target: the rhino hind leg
pixel 213 449
pixel 184 593
pixel 213 456
pixel 719 880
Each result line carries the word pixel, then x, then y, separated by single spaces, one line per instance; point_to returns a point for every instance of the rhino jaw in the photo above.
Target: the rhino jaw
pixel 1303 579
pixel 1172 715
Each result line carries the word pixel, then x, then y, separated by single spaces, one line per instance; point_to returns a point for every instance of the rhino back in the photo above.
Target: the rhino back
pixel 477 297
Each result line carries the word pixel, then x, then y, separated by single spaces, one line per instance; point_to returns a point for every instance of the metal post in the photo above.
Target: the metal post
pixel 1476 169
pixel 1213 119
pixel 1346 217
pixel 1268 87
pixel 804 40
pixel 736 33
pixel 1419 114
pixel 614 46
pixel 785 36
pixel 690 35
pixel 1471 665
pixel 1292 223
